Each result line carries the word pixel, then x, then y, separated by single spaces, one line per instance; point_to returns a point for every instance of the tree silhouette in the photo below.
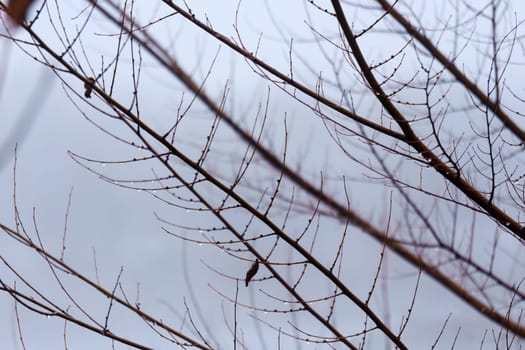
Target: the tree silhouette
pixel 337 159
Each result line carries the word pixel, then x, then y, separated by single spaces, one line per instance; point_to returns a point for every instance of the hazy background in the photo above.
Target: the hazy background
pixel 118 225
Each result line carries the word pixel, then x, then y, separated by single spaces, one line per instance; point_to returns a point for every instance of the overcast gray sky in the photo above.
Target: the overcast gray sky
pixel 119 226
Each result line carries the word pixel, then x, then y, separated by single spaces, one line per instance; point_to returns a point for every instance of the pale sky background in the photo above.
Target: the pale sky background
pixel 119 224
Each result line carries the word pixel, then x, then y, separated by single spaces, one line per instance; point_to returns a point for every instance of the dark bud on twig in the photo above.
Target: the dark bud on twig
pixel 88 86
pixel 252 271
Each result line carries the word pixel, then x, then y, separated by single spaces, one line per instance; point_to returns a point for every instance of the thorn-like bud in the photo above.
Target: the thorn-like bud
pixel 88 87
pixel 252 271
